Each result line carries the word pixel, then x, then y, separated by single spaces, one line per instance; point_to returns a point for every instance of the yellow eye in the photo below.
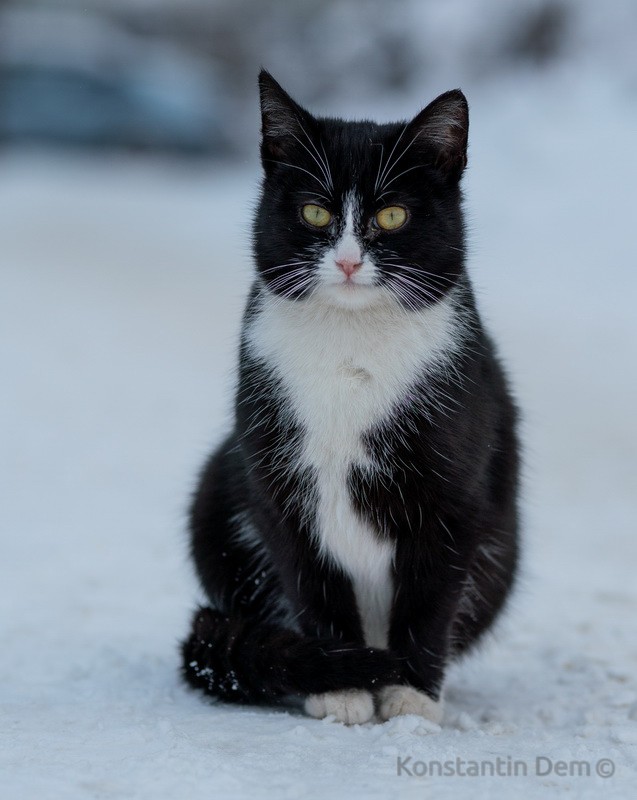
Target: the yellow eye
pixel 391 218
pixel 316 215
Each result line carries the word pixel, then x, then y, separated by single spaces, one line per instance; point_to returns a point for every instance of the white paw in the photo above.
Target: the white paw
pixel 394 701
pixel 352 707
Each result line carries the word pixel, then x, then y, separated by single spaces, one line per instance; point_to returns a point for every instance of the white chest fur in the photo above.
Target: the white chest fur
pixel 344 371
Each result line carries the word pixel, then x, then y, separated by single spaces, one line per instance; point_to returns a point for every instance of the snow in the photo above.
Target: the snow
pixel 122 288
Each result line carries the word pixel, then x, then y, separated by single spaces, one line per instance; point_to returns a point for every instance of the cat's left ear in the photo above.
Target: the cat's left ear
pixel 442 128
pixel 283 121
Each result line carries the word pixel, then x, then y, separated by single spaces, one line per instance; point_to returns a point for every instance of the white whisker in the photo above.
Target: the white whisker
pixel 284 266
pixel 402 295
pixel 299 289
pixel 380 164
pixel 302 169
pixel 319 164
pixel 440 279
pixel 317 195
pixel 387 172
pixel 414 287
pixel 382 176
pixel 287 278
pixel 400 174
pixel 323 160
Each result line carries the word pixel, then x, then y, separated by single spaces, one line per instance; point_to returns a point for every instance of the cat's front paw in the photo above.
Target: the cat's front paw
pixel 394 701
pixel 352 706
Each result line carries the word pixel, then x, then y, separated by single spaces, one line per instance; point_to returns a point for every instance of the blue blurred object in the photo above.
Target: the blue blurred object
pixel 81 79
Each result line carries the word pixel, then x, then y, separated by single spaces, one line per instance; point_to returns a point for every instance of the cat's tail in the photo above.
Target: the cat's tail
pixel 241 661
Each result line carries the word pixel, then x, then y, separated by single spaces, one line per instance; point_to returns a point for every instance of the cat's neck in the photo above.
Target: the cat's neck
pixel 383 350
pixel 431 334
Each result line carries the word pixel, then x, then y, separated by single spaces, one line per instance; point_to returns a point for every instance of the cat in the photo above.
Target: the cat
pixel 358 528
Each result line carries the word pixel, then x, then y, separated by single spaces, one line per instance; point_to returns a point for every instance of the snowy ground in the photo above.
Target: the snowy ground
pixel 122 286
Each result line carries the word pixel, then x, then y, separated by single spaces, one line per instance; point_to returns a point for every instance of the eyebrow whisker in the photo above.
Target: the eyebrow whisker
pixel 382 176
pixel 387 172
pixel 400 174
pixel 318 162
pixel 302 169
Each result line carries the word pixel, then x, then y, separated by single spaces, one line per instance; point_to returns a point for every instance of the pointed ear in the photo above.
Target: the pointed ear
pixel 443 127
pixel 282 119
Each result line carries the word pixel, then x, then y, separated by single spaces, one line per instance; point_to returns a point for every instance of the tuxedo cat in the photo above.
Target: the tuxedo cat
pixel 357 529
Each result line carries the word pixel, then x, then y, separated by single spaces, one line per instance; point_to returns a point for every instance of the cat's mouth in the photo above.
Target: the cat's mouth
pixel 351 293
pixel 350 284
pixel 353 281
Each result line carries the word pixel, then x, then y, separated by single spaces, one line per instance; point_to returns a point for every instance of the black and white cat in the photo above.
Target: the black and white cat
pixel 357 530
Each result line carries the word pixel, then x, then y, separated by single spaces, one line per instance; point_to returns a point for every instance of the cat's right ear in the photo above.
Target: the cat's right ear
pixel 282 120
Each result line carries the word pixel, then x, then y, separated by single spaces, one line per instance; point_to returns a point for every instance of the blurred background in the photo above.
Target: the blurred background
pixel 177 76
pixel 128 174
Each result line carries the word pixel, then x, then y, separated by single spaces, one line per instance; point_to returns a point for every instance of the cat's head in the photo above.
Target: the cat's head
pixel 359 213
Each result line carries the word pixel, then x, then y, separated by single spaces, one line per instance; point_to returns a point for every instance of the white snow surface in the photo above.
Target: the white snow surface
pixel 122 289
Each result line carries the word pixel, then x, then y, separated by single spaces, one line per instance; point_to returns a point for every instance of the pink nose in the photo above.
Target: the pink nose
pixel 348 266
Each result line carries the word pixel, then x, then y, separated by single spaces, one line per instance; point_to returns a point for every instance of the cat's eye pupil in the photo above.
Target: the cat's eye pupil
pixel 391 218
pixel 315 215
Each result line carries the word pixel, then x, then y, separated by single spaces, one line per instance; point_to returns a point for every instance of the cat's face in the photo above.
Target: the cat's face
pixel 360 213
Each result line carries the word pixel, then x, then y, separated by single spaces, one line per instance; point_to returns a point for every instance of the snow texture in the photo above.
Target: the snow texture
pixel 122 289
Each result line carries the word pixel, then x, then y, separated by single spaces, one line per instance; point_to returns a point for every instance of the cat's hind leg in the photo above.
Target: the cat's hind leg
pixel 248 661
pixel 249 645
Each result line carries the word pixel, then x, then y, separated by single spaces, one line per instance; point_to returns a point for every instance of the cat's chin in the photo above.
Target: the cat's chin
pixel 357 296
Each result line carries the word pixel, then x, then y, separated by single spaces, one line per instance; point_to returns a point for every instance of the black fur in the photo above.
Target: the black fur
pixel 283 620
